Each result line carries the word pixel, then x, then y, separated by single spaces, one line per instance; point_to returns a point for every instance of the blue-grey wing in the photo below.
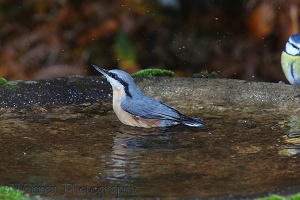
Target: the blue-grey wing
pixel 150 109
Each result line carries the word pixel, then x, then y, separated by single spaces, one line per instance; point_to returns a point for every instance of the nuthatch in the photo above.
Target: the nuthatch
pixel 134 108
pixel 290 59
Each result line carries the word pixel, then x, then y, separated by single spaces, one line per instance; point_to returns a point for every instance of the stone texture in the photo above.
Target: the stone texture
pixel 179 92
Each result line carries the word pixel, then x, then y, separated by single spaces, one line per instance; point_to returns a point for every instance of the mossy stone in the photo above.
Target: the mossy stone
pixel 154 72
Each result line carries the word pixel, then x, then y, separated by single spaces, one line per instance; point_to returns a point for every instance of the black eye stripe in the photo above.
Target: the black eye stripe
pixel 126 85
pixel 115 76
pixel 293 45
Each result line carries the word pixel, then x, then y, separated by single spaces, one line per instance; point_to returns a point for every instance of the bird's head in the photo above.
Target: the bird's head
pixel 292 47
pixel 119 80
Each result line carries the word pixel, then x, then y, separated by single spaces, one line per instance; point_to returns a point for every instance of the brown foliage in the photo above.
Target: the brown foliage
pixel 62 38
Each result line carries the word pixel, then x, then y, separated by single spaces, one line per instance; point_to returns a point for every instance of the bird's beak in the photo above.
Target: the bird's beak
pixel 101 70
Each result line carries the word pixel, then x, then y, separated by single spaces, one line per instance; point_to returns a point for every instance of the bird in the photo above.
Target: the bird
pixel 134 108
pixel 290 59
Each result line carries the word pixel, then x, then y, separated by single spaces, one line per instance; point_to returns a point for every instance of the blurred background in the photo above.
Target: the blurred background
pixel 235 38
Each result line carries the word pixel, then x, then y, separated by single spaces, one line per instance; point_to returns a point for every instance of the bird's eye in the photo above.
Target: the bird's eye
pixel 113 75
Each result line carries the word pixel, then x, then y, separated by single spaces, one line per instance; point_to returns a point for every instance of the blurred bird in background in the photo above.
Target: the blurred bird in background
pixel 290 59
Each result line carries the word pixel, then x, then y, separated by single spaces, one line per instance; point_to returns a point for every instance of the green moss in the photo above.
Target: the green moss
pixel 154 72
pixel 277 197
pixel 5 83
pixel 8 193
pixel 272 197
pixel 206 74
pixel 295 197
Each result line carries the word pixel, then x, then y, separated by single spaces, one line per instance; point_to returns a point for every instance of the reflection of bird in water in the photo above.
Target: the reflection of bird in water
pixel 130 147
pixel 125 158
pixel 290 144
pixel 134 108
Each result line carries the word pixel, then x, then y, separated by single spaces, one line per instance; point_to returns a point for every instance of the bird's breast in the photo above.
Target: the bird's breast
pixel 291 67
pixel 127 118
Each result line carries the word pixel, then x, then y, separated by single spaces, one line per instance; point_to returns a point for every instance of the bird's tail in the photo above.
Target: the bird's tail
pixel 191 121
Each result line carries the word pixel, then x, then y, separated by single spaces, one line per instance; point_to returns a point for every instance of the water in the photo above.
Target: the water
pixel 84 151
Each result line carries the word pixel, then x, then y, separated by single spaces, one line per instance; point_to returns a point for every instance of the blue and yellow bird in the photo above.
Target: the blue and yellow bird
pixel 290 60
pixel 134 108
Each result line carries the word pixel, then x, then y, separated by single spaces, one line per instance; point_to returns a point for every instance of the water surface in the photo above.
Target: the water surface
pixel 83 151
